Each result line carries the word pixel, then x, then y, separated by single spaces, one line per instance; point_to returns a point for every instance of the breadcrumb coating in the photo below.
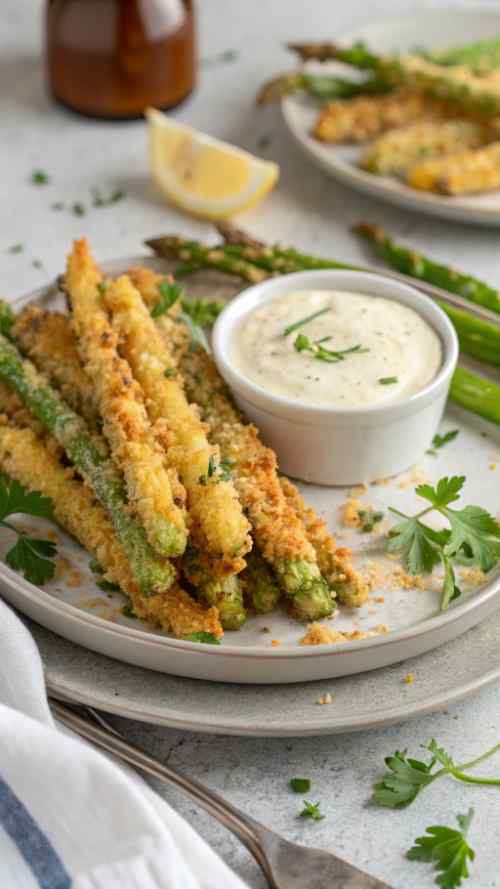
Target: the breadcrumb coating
pixel 121 405
pixel 334 562
pixel 217 523
pixel 26 458
pixel 466 172
pixel 363 117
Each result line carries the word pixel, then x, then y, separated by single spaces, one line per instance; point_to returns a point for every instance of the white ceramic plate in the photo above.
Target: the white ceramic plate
pixel 430 29
pixel 85 615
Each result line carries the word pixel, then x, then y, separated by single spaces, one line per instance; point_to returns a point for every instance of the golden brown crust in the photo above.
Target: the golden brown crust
pixel 363 117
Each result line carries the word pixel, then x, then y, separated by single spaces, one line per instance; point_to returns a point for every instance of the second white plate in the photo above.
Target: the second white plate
pixel 72 606
pixel 423 30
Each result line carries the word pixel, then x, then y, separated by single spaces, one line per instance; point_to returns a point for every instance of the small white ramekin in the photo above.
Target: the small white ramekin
pixel 331 445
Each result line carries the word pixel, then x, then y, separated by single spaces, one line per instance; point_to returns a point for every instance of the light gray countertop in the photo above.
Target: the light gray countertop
pixel 306 209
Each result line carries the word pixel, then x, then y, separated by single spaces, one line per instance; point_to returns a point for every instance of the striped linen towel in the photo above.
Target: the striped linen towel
pixel 70 817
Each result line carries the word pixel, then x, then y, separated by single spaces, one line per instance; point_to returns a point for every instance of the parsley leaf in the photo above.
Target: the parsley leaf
pixel 196 332
pixel 29 554
pixel 311 810
pixel 16 248
pixel 300 785
pixel 473 536
pixel 100 200
pixel 302 343
pixel 388 381
pixel 369 518
pixel 170 293
pixel 40 177
pixel 207 638
pixel 447 849
pixel 439 441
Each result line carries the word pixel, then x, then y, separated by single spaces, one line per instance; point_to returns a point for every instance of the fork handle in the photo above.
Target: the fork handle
pixel 244 827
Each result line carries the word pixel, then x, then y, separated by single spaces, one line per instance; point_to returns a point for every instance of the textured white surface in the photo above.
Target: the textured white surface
pixel 310 210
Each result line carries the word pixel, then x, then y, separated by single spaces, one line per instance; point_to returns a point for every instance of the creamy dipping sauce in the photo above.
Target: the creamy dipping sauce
pixel 399 352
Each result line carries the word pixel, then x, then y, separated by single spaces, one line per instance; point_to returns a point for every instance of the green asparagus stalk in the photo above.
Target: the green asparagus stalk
pixel 466 91
pixel 194 255
pixel 151 573
pixel 478 338
pixel 262 590
pixel 409 262
pixel 225 593
pixel 319 86
pixel 476 394
pixel 481 57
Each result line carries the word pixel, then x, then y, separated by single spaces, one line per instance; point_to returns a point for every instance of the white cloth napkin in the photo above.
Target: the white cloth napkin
pixel 71 817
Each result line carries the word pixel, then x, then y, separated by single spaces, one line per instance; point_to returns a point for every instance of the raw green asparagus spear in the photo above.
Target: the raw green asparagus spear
pixel 70 430
pixel 357 55
pixel 478 338
pixel 194 255
pixel 412 263
pixel 476 394
pixel 262 590
pixel 481 57
pixel 320 86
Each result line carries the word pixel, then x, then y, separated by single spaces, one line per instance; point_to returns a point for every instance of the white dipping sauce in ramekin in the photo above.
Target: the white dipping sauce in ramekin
pixel 389 350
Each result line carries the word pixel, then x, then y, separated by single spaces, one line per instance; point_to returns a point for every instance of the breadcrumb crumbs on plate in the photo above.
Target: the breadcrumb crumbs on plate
pixel 358 490
pixel 409 678
pixel 492 466
pixel 317 634
pixel 63 565
pixel 417 476
pixel 471 577
pixel 349 513
pixel 51 535
pixel 381 481
pixel 325 699
pixel 275 642
pixel 379 599
pixel 75 579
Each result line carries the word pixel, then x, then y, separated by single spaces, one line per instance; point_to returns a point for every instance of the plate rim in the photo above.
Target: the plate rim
pixel 474 601
pixel 375 186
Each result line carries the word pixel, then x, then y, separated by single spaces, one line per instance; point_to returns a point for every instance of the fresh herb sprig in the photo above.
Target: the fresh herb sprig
pixel 217 472
pixel 312 811
pixel 170 293
pixel 369 518
pixel 295 326
pixel 407 777
pixel 195 314
pixel 447 849
pixel 439 441
pixel 30 555
pixel 473 536
pixel 317 349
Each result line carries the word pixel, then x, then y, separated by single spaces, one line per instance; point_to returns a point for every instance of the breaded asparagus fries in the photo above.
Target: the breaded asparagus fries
pixel 119 416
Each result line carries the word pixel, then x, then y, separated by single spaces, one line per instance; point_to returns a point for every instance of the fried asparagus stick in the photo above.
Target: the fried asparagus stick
pixel 47 338
pixel 151 573
pixel 29 460
pixel 334 563
pixel 409 262
pixel 395 152
pixel 218 527
pixel 482 57
pixel 326 87
pixel 466 172
pixel 262 591
pixel 121 405
pixel 362 118
pixel 278 532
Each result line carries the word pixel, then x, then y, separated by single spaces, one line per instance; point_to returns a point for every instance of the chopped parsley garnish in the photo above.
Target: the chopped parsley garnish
pixel 40 177
pixel 78 209
pixel 406 777
pixel 300 785
pixel 37 264
pixel 206 638
pixel 439 441
pixel 170 373
pixel 369 519
pixel 15 248
pixel 217 473
pixel 107 586
pixel 311 810
pixel 128 610
pixel 293 327
pixel 304 344
pixel 388 381
pixel 100 200
pixel 32 556
pixel 170 293
pixel 102 287
pixel 95 567
pixel 447 849
pixel 473 536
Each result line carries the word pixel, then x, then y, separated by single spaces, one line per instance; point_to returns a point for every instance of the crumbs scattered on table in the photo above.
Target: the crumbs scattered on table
pixel 382 481
pixel 417 476
pixel 63 565
pixel 75 579
pixel 379 600
pixel 51 535
pixel 492 466
pixel 409 679
pixel 265 629
pixel 358 490
pixel 325 698
pixel 471 577
pixel 275 642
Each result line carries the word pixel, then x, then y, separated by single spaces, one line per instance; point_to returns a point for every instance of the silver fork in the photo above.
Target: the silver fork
pixel 285 865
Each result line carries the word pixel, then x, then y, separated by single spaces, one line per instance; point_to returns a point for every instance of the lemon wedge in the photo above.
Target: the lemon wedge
pixel 202 175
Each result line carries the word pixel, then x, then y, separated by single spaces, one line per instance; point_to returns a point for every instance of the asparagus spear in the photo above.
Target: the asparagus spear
pixel 357 55
pixel 482 56
pixel 418 266
pixel 70 430
pixel 261 588
pixel 320 86
pixel 476 394
pixel 478 338
pixel 194 256
pixel 225 593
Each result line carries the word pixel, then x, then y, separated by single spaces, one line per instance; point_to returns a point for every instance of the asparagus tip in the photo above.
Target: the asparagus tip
pixel 367 230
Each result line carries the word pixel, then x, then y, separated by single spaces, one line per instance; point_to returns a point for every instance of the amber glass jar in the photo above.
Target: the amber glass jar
pixel 113 58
